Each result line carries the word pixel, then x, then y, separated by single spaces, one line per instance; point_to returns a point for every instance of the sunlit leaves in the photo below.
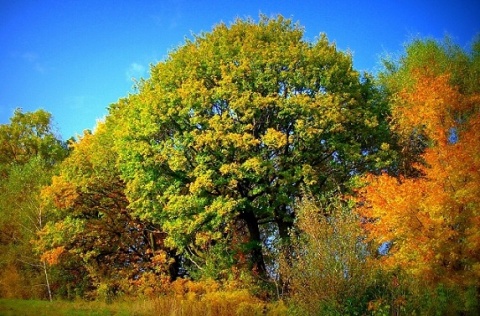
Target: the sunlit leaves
pixel 29 150
pixel 431 220
pixel 236 121
pixel 30 135
pixel 91 228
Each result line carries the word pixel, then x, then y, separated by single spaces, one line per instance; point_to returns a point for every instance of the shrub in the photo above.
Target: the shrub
pixel 325 267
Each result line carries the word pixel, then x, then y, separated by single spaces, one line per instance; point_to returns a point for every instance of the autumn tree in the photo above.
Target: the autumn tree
pixel 92 240
pixel 29 150
pixel 30 135
pixel 430 222
pixel 234 122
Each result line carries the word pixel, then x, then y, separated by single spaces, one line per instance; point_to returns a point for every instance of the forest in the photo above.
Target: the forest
pixel 257 173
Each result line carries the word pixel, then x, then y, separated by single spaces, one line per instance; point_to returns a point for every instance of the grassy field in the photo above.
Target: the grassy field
pixel 169 306
pixel 60 308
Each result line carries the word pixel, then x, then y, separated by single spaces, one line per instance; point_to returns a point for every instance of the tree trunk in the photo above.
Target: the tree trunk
pixel 258 262
pixel 47 281
pixel 283 229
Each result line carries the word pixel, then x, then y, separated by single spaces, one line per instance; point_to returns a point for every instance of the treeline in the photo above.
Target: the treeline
pixel 254 160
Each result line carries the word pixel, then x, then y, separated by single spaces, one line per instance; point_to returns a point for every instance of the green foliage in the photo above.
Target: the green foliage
pixel 436 57
pixel 190 198
pixel 28 152
pixel 235 122
pixel 214 262
pixel 30 135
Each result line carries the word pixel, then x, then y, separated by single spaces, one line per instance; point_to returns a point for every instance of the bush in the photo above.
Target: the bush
pixel 325 267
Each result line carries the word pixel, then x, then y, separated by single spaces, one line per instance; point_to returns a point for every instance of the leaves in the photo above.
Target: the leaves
pixel 91 228
pixel 29 151
pixel 30 135
pixel 231 162
pixel 233 123
pixel 431 220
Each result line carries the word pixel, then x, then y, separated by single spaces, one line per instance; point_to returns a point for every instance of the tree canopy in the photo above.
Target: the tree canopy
pixel 92 231
pixel 28 135
pixel 432 220
pixel 254 164
pixel 235 122
pixel 29 150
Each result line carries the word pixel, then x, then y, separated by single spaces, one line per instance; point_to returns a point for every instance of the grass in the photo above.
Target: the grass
pixel 215 305
pixel 14 307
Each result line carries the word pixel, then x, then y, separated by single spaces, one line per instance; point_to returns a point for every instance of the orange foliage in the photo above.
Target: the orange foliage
pixel 431 106
pixel 52 256
pixel 433 221
pixel 62 193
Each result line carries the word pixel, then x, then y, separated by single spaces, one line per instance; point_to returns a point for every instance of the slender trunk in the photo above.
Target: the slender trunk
pixel 44 264
pixel 47 281
pixel 258 262
pixel 285 244
pixel 284 219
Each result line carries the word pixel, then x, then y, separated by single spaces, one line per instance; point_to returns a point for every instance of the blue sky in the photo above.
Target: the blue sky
pixel 74 58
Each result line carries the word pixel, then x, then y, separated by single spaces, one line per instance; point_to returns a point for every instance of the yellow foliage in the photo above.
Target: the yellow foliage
pixel 202 182
pixel 61 192
pixel 208 297
pixel 10 282
pixel 253 164
pixel 274 138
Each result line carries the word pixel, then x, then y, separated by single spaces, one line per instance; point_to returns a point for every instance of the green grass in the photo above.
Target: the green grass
pixel 217 305
pixel 11 307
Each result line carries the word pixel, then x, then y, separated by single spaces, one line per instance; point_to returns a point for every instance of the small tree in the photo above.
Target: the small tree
pixel 91 229
pixel 325 269
pixel 29 151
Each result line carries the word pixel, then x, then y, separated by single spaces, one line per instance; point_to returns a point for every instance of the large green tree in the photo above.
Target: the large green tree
pixel 234 123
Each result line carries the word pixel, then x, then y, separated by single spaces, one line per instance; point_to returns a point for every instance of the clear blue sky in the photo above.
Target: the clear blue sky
pixel 74 58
